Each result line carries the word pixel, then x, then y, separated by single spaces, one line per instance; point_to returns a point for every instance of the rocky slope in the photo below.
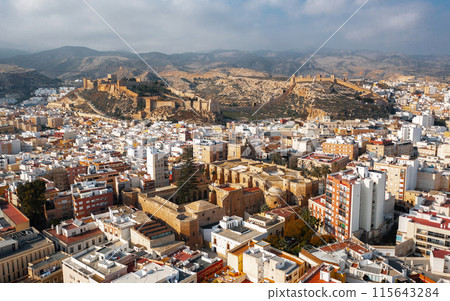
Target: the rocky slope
pixel 241 92
pixel 19 83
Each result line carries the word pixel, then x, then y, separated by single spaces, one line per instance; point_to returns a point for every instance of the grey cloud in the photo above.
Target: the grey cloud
pixel 180 25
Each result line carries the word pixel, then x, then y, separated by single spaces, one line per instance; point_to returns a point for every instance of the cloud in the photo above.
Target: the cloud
pixel 184 25
pixel 391 27
pixel 317 7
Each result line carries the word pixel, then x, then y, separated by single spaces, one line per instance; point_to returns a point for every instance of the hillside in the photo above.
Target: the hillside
pixel 139 100
pixel 241 92
pixel 308 101
pixel 20 83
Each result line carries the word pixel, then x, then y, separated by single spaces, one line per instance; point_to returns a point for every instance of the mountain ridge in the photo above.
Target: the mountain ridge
pixel 70 62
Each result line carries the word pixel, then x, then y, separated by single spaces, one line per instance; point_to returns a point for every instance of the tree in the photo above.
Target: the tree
pixel 294 165
pixel 295 229
pixel 324 170
pixel 313 222
pixel 187 182
pixel 318 241
pixel 328 238
pixel 274 241
pixel 32 202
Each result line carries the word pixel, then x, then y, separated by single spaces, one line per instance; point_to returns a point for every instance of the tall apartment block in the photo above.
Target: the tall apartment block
pixel 401 174
pixel 353 202
pixel 158 166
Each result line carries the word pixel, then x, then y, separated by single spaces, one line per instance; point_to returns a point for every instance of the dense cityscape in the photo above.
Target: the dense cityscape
pixel 170 148
pixel 98 199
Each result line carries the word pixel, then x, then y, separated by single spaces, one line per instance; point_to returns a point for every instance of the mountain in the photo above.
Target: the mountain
pixel 71 62
pixel 74 62
pixel 233 78
pixel 9 52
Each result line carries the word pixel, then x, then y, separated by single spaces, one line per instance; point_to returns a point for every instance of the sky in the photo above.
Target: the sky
pixel 174 26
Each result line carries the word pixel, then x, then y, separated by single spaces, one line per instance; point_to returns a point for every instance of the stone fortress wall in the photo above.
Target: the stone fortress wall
pixel 331 79
pixel 120 89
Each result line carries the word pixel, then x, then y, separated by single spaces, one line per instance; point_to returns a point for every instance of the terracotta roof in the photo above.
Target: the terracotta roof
pixel 440 253
pixel 358 249
pixel 335 247
pixel 70 227
pixel 313 275
pixel 228 188
pixel 14 214
pixel 283 212
pixel 76 238
pixel 251 189
pixel 183 256
pixel 425 222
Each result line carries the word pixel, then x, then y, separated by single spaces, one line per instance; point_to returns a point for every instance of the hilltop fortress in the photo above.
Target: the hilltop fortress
pixel 121 89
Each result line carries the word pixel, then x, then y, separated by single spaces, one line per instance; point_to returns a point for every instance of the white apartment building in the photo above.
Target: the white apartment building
pixel 401 174
pixel 260 264
pixel 410 132
pixel 428 228
pixel 95 265
pixel 155 273
pixel 157 166
pixel 231 234
pixel 425 120
pixel 440 261
pixel 354 203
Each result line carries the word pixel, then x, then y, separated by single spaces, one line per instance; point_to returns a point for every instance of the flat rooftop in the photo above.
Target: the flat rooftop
pixel 150 273
pixel 90 262
pixel 49 259
pixel 27 240
pixel 240 234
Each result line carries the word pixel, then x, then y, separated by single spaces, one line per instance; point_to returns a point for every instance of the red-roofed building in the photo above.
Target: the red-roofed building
pixel 353 203
pixel 74 236
pixel 289 213
pixel 196 261
pixel 428 229
pixel 11 219
pixel 323 273
pixel 91 197
pixel 440 261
